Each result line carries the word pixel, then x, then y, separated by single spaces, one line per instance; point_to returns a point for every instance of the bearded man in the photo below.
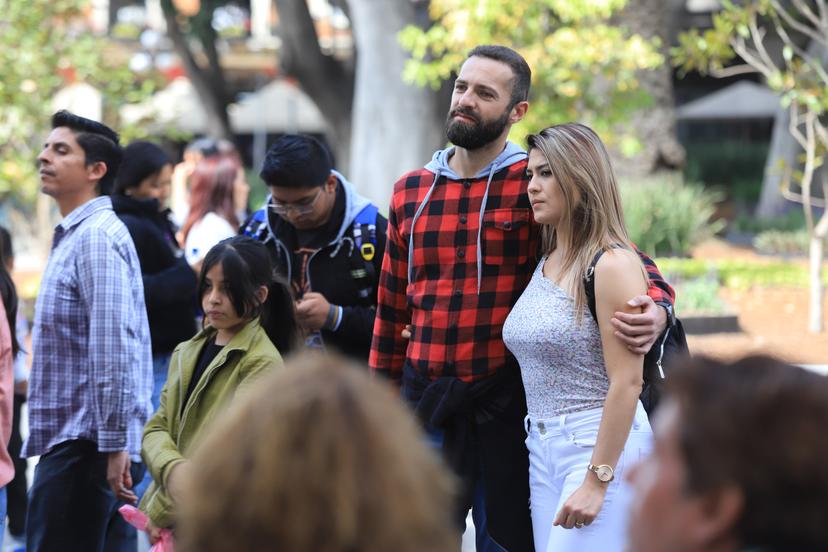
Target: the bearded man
pixel 462 245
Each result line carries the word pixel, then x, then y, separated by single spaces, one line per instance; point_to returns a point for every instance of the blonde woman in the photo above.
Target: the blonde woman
pixel 585 421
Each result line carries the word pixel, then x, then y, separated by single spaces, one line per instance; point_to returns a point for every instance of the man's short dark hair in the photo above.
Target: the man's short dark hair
pixel 520 69
pixel 296 161
pixel 99 143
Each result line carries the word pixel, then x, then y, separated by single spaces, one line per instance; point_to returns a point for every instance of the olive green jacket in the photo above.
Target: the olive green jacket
pixel 170 435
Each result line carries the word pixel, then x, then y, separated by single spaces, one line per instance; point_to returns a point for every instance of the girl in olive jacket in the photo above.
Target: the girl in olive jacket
pixel 249 320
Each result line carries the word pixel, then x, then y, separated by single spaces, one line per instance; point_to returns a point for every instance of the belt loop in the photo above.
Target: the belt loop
pixel 527 424
pixel 562 425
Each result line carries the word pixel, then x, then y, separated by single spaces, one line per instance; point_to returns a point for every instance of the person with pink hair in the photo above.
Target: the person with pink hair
pixel 213 213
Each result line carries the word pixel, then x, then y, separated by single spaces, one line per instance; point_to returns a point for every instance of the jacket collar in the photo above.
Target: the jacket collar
pixel 242 341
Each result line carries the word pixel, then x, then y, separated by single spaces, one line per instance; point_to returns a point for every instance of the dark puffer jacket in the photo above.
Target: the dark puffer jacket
pixel 344 271
pixel 169 282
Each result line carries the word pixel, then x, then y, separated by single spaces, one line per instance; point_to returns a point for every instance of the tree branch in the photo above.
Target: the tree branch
pixel 809 60
pixel 798 198
pixel 327 80
pixel 803 8
pixel 793 127
pixel 808 171
pixel 209 91
pixel 796 25
pixel 823 13
pixel 206 34
pixel 821 229
pixel 758 36
pixel 733 71
pixel 741 48
pixel 822 135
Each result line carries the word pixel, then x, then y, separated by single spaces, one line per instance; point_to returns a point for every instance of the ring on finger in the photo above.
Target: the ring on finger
pixel 579 524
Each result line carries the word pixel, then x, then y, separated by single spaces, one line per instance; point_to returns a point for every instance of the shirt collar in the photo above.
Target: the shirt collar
pixel 83 212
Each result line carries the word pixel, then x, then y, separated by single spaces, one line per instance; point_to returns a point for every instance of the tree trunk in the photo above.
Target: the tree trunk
pixel 782 156
pixel 209 83
pixel 815 314
pixel 654 126
pixel 397 126
pixel 327 80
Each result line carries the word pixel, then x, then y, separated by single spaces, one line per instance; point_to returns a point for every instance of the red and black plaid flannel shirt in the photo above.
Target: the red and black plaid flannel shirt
pixel 456 331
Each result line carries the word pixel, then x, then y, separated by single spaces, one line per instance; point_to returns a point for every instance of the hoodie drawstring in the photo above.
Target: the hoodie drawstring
pixel 437 174
pixel 480 230
pixel 339 245
pixel 419 211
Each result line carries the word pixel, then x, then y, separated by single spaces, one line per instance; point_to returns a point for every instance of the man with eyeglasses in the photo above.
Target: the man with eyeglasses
pixel 326 239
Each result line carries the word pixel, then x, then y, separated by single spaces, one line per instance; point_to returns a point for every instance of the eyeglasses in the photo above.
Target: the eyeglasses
pixel 301 207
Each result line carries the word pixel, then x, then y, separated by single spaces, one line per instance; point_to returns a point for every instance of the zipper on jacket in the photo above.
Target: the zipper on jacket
pixel 199 388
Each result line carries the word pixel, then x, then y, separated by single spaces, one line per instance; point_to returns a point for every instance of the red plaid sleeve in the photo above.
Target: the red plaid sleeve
pixel 660 291
pixel 388 346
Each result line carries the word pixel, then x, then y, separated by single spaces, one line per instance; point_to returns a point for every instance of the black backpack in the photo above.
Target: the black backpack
pixel 668 349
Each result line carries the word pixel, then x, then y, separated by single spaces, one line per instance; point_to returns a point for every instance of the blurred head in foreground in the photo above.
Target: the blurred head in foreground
pixel 318 458
pixel 739 461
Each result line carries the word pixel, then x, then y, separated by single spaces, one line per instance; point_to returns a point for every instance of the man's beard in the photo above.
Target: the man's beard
pixel 472 136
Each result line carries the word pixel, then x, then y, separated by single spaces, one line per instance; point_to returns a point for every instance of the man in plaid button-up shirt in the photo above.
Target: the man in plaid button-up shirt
pixel 462 245
pixel 91 379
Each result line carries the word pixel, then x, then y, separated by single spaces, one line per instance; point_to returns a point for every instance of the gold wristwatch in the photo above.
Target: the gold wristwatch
pixel 604 472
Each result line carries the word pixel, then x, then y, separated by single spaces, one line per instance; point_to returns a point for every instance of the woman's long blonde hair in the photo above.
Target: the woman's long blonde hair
pixel 319 457
pixel 593 217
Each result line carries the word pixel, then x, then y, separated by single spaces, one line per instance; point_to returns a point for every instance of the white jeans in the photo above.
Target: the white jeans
pixel 560 449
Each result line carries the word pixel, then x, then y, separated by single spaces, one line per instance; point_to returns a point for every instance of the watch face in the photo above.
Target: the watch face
pixel 604 473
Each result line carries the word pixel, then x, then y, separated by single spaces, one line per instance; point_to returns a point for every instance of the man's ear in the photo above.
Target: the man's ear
pixel 718 513
pixel 96 171
pixel 518 111
pixel 330 182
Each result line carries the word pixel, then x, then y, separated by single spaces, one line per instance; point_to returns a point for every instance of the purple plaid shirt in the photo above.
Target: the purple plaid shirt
pixel 91 372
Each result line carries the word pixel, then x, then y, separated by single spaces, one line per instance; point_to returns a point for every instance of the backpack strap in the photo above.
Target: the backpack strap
pixel 589 280
pixel 256 226
pixel 589 284
pixel 366 221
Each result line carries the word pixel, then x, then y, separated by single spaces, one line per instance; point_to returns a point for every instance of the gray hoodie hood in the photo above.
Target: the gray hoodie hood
pixel 439 165
pixel 510 155
pixel 354 203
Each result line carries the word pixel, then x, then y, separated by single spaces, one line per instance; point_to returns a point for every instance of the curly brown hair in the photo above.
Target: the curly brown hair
pixel 319 458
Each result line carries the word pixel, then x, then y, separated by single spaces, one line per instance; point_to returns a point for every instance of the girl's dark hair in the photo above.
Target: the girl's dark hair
pixel 7 290
pixel 141 160
pixel 246 266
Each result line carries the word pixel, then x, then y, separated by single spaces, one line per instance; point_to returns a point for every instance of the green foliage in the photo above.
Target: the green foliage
pixel 43 46
pixel 699 296
pixel 737 274
pixel 665 216
pixel 778 242
pixel 737 29
pixel 258 190
pixel 736 167
pixel 792 220
pixel 584 68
